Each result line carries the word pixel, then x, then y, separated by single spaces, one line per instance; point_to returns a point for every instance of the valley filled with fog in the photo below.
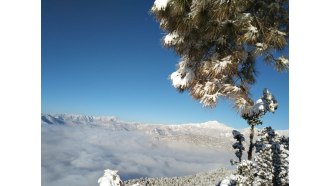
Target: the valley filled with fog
pixel 76 149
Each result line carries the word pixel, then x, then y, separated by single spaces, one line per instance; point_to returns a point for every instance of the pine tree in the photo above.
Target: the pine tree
pixel 238 145
pixel 219 41
pixel 267 103
pixel 272 158
pixel 270 166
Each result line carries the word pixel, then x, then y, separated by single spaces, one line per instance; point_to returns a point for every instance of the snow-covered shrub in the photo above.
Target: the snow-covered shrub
pixel 245 172
pixel 110 178
pixel 244 175
pixel 229 181
pixel 270 165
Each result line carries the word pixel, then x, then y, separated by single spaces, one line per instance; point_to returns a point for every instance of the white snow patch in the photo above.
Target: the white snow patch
pixel 253 29
pixel 161 4
pixel 182 77
pixel 209 100
pixel 284 60
pixel 231 88
pixel 170 38
pixel 281 33
pixel 241 103
pixel 221 65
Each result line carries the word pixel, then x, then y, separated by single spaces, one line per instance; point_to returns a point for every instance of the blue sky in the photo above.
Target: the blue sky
pixel 104 57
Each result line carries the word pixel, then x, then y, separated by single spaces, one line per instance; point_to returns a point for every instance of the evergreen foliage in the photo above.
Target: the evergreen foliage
pixel 238 145
pixel 219 41
pixel 267 103
pixel 272 157
pixel 270 165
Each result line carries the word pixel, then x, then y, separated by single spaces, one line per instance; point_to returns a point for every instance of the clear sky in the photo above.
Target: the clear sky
pixel 104 57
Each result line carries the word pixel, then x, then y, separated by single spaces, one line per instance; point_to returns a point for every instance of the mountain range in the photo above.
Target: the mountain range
pixel 210 134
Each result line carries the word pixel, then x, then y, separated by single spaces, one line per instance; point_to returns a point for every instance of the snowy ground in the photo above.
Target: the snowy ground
pixel 210 178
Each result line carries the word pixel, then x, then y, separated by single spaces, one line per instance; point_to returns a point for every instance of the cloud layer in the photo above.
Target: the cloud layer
pixel 77 155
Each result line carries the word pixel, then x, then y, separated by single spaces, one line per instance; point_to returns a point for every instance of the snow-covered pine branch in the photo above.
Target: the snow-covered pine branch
pixel 160 5
pixel 218 42
pixel 267 103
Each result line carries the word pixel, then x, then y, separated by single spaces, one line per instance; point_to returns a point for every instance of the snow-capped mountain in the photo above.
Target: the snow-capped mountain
pixel 210 134
pixel 110 121
pixel 76 119
pixel 211 127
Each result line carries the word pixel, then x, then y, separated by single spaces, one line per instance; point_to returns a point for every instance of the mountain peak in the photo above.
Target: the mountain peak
pixel 215 124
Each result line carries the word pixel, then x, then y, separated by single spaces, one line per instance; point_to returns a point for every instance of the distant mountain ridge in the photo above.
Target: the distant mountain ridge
pixel 211 134
pixel 72 119
pixel 75 118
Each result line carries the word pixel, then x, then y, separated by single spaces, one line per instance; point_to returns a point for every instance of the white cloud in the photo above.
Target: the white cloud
pixel 77 155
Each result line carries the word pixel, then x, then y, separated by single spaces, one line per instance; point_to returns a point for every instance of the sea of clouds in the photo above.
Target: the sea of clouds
pixel 77 155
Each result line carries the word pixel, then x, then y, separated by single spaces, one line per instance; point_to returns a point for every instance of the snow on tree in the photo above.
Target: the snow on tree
pixel 238 145
pixel 160 4
pixel 270 166
pixel 272 158
pixel 267 103
pixel 110 178
pixel 219 41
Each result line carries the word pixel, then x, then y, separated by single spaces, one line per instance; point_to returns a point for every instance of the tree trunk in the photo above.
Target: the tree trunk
pixel 251 143
pixel 240 151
